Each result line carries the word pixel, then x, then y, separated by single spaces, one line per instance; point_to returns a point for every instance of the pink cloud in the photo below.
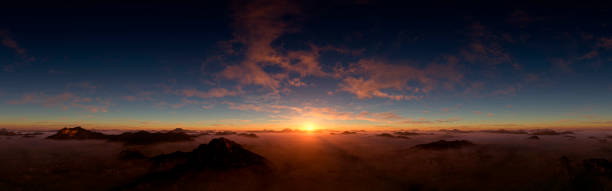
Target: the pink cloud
pixel 212 93
pixel 257 25
pixel 605 42
pixel 510 90
pixel 370 78
pixel 82 85
pixel 419 121
pixel 64 100
pixel 448 120
pixel 8 41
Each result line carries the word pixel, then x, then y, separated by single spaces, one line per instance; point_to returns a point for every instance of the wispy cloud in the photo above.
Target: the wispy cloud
pixel 212 93
pixel 9 42
pixel 64 100
pixel 371 78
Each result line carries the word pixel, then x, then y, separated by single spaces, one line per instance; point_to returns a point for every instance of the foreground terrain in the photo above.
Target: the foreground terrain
pixel 295 160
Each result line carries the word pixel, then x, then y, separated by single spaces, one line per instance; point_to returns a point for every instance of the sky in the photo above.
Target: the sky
pixel 296 64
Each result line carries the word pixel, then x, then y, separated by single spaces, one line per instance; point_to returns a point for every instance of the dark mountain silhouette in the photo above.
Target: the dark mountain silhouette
pixel 453 131
pixel 444 145
pixel 392 136
pixel 503 131
pixel 77 133
pixel 406 133
pixel 344 133
pixel 4 132
pixel 219 155
pixel 136 138
pixel 533 137
pixel 348 132
pixel 551 132
pixel 225 133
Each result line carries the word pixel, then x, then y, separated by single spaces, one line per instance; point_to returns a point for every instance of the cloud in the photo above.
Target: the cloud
pixel 64 100
pixel 520 17
pixel 212 93
pixel 296 82
pixel 257 25
pixel 448 120
pixel 81 85
pixel 486 49
pixel 369 78
pixel 563 65
pixel 477 112
pixel 9 42
pixel 490 114
pixel 419 121
pixel 141 96
pixel 424 121
pixel 605 42
pixel 510 90
pixel 311 112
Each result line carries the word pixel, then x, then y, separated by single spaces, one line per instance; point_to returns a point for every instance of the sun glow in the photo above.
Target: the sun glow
pixel 309 126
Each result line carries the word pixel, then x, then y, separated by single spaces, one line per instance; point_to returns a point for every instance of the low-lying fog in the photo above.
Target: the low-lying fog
pixel 322 161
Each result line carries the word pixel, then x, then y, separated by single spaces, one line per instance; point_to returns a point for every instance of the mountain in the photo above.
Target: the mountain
pixel 207 161
pixel 551 132
pixel 4 132
pixel 77 133
pixel 134 138
pixel 219 153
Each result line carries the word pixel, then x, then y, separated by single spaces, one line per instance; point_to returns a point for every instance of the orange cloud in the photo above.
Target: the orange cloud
pixel 257 25
pixel 320 113
pixel 212 93
pixel 370 78
pixel 9 42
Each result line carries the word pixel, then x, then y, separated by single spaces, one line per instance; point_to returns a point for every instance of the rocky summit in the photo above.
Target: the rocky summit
pixel 77 133
pixel 219 153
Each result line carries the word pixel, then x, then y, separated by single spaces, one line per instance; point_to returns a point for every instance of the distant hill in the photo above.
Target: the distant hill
pixel 77 133
pixel 136 138
pixel 219 155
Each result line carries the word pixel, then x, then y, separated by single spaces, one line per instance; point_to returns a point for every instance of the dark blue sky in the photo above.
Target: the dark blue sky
pixel 277 64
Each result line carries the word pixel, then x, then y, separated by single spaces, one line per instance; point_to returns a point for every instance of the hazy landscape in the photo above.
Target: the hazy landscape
pixel 305 95
pixel 319 160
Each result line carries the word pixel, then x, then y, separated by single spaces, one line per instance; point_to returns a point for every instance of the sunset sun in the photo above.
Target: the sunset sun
pixel 305 95
pixel 309 126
